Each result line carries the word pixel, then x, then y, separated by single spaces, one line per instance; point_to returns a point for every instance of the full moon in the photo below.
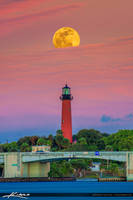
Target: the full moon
pixel 66 37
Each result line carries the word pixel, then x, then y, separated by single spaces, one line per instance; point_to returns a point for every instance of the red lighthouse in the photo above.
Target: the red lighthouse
pixel 66 120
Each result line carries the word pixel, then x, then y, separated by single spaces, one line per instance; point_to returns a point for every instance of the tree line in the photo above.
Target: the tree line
pixel 84 140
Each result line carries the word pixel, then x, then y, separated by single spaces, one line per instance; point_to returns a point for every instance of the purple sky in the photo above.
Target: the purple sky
pixel 32 71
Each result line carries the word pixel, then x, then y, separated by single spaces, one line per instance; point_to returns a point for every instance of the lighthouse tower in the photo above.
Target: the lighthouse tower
pixel 66 120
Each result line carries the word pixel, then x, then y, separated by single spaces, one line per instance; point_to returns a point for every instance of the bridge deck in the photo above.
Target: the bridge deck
pixel 51 156
pixel 33 157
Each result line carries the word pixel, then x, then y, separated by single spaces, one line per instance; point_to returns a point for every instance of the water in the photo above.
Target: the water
pixel 79 186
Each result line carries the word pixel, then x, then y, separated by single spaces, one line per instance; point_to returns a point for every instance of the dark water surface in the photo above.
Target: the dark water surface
pixel 68 187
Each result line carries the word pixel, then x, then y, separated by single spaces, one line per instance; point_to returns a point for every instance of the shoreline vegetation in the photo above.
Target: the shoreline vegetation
pixel 84 140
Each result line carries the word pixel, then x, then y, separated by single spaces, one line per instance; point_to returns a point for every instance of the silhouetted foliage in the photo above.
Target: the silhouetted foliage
pixel 60 169
pixel 59 132
pixel 84 140
pixel 26 139
pixel 92 136
pixel 120 141
pixel 34 140
pixel 41 141
pixel 25 147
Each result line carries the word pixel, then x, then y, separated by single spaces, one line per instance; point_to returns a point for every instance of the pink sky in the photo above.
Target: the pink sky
pixel 32 71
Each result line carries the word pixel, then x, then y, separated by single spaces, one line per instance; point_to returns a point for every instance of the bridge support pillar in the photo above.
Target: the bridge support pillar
pixel 12 165
pixel 129 166
pixel 45 169
pixel 36 169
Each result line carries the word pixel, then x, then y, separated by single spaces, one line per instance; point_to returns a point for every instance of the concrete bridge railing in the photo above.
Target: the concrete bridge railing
pixel 51 156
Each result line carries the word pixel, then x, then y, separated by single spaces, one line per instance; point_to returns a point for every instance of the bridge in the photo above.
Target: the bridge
pixel 30 164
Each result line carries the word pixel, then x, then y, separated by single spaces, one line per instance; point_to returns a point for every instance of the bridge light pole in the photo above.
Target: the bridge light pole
pixel 66 119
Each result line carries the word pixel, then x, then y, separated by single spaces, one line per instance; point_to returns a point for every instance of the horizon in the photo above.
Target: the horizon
pixel 15 139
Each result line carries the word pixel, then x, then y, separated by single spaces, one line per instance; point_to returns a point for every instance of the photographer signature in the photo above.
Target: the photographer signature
pixel 16 194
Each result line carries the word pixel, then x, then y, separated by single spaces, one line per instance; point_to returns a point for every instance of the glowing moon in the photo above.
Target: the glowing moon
pixel 66 37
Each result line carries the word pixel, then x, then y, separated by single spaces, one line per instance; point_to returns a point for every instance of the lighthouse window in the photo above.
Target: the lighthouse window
pixel 66 91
